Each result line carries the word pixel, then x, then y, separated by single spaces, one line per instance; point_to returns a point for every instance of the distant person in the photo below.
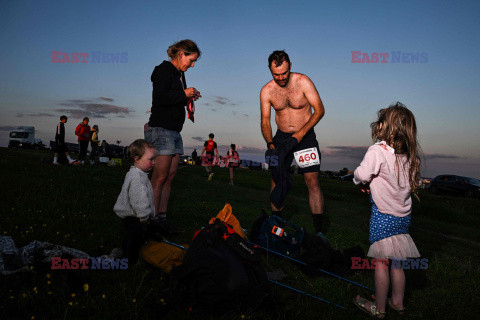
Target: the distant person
pixel 391 171
pixel 194 156
pixel 83 133
pixel 233 161
pixel 105 149
pixel 292 96
pixel 60 145
pixel 210 150
pixel 169 99
pixel 94 143
pixel 135 201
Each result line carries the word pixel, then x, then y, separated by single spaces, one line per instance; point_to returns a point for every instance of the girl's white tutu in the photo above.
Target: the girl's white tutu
pixel 399 246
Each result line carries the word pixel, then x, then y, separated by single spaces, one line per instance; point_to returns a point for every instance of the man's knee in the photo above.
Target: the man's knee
pixel 312 181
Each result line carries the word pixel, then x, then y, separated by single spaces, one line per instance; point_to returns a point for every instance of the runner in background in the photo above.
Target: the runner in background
pixel 210 150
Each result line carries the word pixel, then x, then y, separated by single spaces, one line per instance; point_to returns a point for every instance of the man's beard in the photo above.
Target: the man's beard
pixel 283 83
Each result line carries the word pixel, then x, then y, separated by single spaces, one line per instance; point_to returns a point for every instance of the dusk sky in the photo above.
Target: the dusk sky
pixel 432 67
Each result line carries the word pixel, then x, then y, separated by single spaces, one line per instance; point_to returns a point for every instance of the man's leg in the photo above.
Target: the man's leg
pixel 315 199
pixel 276 211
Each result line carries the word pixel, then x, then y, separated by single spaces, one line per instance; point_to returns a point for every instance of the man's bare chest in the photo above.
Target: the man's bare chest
pixel 283 100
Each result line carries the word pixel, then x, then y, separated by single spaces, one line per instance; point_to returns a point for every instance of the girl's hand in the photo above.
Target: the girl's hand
pixel 365 188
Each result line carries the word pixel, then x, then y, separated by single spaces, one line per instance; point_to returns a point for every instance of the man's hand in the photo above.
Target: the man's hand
pixel 299 136
pixel 192 93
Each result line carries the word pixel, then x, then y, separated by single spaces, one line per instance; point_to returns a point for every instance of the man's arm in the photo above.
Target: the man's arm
pixel 315 102
pixel 265 111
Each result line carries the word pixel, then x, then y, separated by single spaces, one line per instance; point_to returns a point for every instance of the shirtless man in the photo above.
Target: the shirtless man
pixel 293 96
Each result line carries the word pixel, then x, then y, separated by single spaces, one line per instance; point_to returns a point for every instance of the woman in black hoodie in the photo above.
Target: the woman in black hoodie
pixel 170 96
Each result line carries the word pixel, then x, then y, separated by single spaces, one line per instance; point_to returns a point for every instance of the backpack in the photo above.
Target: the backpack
pixel 220 272
pixel 162 255
pixel 277 234
pixel 227 216
pixel 210 146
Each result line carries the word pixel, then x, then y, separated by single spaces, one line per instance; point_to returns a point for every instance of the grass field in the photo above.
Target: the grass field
pixel 72 206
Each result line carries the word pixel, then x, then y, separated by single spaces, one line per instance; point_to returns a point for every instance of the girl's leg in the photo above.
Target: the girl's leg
pixel 398 287
pixel 382 282
pixel 231 174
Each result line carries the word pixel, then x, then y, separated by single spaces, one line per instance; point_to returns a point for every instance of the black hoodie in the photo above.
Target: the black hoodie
pixel 168 98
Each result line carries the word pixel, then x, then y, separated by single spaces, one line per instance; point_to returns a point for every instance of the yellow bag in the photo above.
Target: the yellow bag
pixel 227 216
pixel 162 255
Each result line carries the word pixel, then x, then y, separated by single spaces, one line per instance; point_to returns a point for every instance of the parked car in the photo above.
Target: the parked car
pixel 183 159
pixel 451 184
pixel 347 177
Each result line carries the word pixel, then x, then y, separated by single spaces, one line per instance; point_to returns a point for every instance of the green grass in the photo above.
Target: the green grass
pixel 72 206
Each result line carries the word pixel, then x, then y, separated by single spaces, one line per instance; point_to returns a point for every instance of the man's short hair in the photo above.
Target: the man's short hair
pixel 137 149
pixel 86 118
pixel 63 117
pixel 211 135
pixel 278 56
pixel 233 146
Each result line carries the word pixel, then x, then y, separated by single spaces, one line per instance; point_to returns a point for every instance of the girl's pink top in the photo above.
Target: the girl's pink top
pixel 379 168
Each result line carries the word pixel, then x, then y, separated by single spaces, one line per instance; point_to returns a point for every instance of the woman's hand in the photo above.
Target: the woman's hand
pixel 192 93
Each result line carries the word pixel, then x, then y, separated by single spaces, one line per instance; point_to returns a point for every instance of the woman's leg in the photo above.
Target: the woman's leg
pixel 231 174
pixel 159 177
pixel 167 186
pixel 398 287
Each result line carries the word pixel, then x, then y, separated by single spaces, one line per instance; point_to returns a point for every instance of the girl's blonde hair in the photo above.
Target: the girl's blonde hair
pixel 397 127
pixel 137 149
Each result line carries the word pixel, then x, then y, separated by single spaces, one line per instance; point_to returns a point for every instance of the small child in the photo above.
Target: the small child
pixel 391 168
pixel 135 202
pixel 94 143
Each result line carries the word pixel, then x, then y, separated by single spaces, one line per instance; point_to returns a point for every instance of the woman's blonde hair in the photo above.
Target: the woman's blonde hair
pixel 187 46
pixel 396 126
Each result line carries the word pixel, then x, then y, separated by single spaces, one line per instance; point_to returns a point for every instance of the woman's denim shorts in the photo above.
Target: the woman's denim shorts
pixel 167 142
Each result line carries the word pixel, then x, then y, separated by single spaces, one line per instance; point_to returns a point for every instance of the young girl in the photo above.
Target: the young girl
pixel 135 202
pixel 391 168
pixel 233 161
pixel 94 143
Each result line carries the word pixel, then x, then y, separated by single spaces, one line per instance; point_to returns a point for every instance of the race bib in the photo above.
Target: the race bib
pixel 307 157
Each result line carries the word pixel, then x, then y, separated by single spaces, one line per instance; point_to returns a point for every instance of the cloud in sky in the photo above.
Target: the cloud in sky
pixel 357 153
pixel 6 128
pixel 19 115
pixel 85 108
pixel 350 152
pixel 198 139
pixel 435 156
